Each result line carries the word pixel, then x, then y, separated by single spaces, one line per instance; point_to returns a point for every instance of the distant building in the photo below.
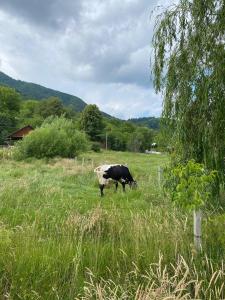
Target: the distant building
pixel 19 134
pixel 154 145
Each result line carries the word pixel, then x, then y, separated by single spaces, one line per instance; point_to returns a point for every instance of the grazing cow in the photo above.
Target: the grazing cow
pixel 116 173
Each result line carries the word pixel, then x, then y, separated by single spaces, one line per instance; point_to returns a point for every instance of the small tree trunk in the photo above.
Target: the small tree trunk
pixel 197 229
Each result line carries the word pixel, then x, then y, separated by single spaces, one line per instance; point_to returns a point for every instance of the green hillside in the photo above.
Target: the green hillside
pixel 35 91
pixel 150 122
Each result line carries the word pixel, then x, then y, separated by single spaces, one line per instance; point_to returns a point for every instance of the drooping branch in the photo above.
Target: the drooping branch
pixel 189 69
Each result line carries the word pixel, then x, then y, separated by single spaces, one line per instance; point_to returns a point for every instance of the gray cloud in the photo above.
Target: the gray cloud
pixel 94 45
pixel 54 14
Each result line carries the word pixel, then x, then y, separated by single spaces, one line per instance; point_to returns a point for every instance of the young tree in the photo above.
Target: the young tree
pixel 140 140
pixel 91 121
pixel 189 68
pixel 9 110
pixel 29 113
pixel 51 106
pixel 9 100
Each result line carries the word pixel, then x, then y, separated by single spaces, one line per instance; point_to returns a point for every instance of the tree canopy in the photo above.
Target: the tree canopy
pixel 92 121
pixel 10 102
pixel 189 69
pixel 17 112
pixel 51 106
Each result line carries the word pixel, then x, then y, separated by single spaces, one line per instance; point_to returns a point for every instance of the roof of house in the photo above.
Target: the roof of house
pixel 21 132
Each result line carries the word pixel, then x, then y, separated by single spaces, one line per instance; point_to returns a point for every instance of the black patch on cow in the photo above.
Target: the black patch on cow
pixel 119 173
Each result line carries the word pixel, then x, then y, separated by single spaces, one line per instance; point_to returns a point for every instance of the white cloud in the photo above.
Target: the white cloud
pixel 123 100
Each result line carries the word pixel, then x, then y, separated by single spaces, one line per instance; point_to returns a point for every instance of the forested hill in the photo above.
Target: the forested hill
pixel 35 91
pixel 150 122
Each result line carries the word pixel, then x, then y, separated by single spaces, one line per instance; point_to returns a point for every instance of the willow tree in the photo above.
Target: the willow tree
pixel 189 70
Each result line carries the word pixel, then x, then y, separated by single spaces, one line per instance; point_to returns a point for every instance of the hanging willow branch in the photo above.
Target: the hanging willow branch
pixel 189 69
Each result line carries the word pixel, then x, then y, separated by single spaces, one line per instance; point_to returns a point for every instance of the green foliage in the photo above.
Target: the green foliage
pixel 9 108
pixel 35 91
pixel 1 154
pixel 140 140
pixel 28 108
pixel 56 137
pixel 95 146
pixel 7 125
pixel 150 122
pixel 9 100
pixel 190 186
pixel 189 69
pixel 123 135
pixel 91 121
pixel 116 140
pixel 215 226
pixel 29 114
pixel 52 106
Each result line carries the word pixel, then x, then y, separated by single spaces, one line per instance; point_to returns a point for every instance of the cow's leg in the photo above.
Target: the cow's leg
pixel 101 186
pixel 123 185
pixel 116 184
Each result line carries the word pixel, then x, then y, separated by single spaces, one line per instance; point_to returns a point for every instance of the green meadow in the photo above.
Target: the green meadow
pixel 60 240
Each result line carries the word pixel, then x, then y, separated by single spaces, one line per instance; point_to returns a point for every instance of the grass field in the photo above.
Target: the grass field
pixel 60 240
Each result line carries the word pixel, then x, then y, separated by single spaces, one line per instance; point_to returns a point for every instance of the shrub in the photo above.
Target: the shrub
pixel 6 153
pixel 95 147
pixel 191 185
pixel 1 153
pixel 56 137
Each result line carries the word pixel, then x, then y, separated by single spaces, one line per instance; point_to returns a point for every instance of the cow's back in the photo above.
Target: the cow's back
pixel 118 172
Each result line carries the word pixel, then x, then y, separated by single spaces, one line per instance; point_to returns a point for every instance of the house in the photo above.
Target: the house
pixel 19 134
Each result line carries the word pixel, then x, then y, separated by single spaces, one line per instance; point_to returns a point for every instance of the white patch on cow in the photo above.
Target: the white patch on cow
pixel 101 170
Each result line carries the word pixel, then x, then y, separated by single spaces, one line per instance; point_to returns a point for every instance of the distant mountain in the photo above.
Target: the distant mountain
pixel 150 122
pixel 35 91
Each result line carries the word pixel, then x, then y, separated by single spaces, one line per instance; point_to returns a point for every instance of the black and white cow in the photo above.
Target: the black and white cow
pixel 116 173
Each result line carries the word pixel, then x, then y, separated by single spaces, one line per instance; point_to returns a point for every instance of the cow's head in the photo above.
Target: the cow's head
pixel 133 184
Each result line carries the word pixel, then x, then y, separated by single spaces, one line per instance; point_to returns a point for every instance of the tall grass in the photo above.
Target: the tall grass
pixel 60 240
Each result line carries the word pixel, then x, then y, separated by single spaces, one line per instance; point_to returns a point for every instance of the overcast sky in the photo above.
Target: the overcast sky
pixel 98 50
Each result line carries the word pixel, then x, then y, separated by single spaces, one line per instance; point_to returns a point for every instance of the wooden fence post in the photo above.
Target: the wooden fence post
pixel 82 164
pixel 197 229
pixel 160 175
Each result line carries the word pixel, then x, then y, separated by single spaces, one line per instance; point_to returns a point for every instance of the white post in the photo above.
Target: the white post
pixel 197 229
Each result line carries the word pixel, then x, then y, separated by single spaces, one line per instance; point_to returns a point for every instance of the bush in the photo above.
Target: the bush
pixel 56 137
pixel 190 185
pixel 6 153
pixel 95 147
pixel 1 153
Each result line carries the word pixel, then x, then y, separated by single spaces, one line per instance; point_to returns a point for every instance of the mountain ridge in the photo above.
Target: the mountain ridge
pixel 30 90
pixel 35 91
pixel 150 122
